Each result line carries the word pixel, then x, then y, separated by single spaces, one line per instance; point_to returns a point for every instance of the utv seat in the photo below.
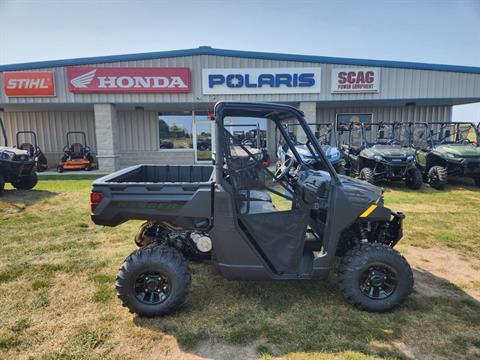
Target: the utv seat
pixel 258 202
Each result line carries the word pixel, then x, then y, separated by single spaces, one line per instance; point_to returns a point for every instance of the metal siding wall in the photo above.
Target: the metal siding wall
pixel 138 131
pixel 395 83
pixel 51 127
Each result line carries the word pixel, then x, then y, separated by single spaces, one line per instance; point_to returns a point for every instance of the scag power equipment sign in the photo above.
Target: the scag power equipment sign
pixel 360 80
pixel 32 83
pixel 261 81
pixel 128 80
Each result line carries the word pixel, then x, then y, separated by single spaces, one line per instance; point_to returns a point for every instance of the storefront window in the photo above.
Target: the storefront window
pixel 345 120
pixel 175 131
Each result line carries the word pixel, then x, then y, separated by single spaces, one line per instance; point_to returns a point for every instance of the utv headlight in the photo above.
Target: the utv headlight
pixel 452 155
pixel 410 157
pixel 7 155
pixel 378 157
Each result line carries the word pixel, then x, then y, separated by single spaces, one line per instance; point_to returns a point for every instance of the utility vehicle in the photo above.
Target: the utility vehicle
pixel 76 155
pixel 34 151
pixel 16 166
pixel 226 212
pixel 445 149
pixel 325 136
pixel 379 152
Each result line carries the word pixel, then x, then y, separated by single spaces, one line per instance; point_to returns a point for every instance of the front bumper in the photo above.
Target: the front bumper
pixel 389 171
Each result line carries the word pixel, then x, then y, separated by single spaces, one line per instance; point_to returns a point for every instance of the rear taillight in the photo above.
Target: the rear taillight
pixel 95 199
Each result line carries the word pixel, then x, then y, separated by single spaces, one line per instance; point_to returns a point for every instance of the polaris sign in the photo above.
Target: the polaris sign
pixel 261 81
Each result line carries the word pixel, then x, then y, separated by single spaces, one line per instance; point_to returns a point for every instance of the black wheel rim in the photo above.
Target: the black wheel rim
pixel 152 288
pixel 434 178
pixel 378 282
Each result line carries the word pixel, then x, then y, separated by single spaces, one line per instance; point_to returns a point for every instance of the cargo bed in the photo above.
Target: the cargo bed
pixel 181 195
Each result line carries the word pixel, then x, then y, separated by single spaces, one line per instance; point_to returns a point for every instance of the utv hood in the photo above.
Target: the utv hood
pixel 459 150
pixel 387 151
pixel 332 153
pixel 359 191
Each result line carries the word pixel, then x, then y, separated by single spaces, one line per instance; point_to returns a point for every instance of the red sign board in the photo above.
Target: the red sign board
pixel 128 80
pixel 32 83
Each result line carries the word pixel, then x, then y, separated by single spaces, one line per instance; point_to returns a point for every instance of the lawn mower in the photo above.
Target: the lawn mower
pixel 253 223
pixel 16 166
pixel 76 156
pixel 325 137
pixel 379 152
pixel 33 149
pixel 445 149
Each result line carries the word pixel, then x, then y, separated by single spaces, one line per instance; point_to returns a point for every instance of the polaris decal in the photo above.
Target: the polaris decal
pixel 261 81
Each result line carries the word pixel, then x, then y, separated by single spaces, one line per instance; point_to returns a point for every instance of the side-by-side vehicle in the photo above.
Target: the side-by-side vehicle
pixel 252 223
pixel 380 152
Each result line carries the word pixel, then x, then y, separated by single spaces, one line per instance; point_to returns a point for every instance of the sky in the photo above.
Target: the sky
pixel 441 31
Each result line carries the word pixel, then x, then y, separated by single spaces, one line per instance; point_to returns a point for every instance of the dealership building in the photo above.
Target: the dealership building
pixel 152 107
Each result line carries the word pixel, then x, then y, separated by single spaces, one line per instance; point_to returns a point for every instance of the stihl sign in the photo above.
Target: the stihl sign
pixel 360 80
pixel 128 80
pixel 29 83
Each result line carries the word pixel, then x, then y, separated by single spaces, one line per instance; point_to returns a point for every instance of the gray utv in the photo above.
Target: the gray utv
pixel 225 212
pixel 380 152
pixel 16 166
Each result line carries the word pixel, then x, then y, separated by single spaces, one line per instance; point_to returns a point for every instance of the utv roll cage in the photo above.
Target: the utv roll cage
pixel 451 132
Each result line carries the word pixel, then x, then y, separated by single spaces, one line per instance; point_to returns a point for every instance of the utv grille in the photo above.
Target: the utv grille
pixel 21 157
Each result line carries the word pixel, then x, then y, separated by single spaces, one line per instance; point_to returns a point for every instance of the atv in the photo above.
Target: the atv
pixel 76 156
pixel 446 149
pixel 33 149
pixel 229 213
pixel 325 137
pixel 16 166
pixel 379 152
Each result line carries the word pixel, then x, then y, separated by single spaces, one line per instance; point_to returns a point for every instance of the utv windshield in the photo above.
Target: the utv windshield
pixel 386 134
pixel 322 132
pixel 453 133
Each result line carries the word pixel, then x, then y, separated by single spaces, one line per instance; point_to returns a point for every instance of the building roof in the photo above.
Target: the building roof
pixel 207 50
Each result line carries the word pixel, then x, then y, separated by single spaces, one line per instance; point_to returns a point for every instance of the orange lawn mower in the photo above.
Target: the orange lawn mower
pixel 76 156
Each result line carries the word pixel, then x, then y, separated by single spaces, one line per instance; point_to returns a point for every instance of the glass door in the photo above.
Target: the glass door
pixel 203 140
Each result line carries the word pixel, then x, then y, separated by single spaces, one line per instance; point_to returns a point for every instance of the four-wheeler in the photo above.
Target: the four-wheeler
pixel 33 149
pixel 226 212
pixel 325 137
pixel 16 166
pixel 76 156
pixel 445 149
pixel 379 152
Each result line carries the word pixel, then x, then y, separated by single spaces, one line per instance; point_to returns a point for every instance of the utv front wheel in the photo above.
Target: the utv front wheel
pixel 437 177
pixel 153 281
pixel 413 179
pixel 367 175
pixel 375 277
pixel 26 182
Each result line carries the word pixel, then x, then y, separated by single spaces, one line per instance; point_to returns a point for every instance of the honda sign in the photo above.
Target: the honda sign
pixel 32 83
pixel 128 80
pixel 361 80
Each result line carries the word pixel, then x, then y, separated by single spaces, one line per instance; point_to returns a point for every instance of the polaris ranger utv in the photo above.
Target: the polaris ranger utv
pixel 227 212
pixel 445 149
pixel 379 152
pixel 16 166
pixel 325 136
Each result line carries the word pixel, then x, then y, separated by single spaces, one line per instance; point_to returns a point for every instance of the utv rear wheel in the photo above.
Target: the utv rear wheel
pixel 153 281
pixel 375 277
pixel 413 179
pixel 437 177
pixel 367 175
pixel 26 182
